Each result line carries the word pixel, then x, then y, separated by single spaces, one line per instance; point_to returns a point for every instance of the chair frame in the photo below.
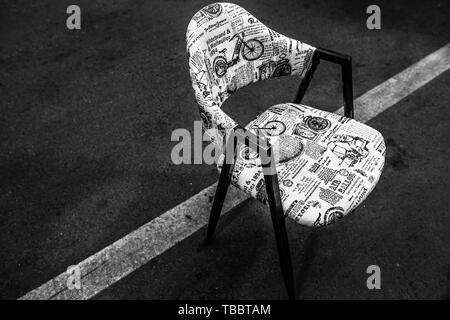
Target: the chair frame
pixel 269 167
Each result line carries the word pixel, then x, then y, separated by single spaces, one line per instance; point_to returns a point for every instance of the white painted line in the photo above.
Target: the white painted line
pixel 383 96
pixel 119 259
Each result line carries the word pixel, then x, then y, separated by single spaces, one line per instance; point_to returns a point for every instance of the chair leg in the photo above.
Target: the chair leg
pixel 219 198
pixel 278 221
pixel 348 88
pixel 345 61
pixel 304 84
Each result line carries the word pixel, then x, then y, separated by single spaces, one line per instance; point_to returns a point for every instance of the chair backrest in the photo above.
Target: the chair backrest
pixel 228 48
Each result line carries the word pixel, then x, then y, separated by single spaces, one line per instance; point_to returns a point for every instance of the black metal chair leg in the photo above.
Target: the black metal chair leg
pixel 219 198
pixel 345 61
pixel 222 186
pixel 347 87
pixel 304 84
pixel 278 221
pixel 279 226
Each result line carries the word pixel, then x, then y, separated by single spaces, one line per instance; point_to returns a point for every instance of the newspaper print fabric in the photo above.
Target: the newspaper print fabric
pixel 327 164
pixel 228 48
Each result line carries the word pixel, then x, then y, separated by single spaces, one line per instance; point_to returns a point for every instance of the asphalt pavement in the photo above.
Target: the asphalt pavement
pixel 85 126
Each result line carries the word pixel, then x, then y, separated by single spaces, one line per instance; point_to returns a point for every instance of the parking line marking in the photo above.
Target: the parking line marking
pixel 383 96
pixel 119 259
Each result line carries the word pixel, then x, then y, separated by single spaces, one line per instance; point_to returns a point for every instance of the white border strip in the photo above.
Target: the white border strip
pixel 119 259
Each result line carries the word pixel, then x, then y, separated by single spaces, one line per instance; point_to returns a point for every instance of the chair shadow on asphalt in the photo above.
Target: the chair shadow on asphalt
pixel 232 252
pixel 301 265
pixel 301 272
pixel 224 223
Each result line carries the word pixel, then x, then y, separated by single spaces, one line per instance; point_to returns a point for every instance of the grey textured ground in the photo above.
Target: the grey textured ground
pixel 85 125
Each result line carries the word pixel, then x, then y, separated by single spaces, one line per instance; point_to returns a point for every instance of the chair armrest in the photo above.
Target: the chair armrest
pixel 333 56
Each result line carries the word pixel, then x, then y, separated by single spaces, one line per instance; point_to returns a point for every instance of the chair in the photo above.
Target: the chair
pixel 310 165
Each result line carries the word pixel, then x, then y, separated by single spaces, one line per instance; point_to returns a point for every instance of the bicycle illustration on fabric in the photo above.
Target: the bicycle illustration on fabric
pixel 251 50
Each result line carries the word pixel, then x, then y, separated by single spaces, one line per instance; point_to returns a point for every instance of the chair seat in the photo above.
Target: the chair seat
pixel 327 164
